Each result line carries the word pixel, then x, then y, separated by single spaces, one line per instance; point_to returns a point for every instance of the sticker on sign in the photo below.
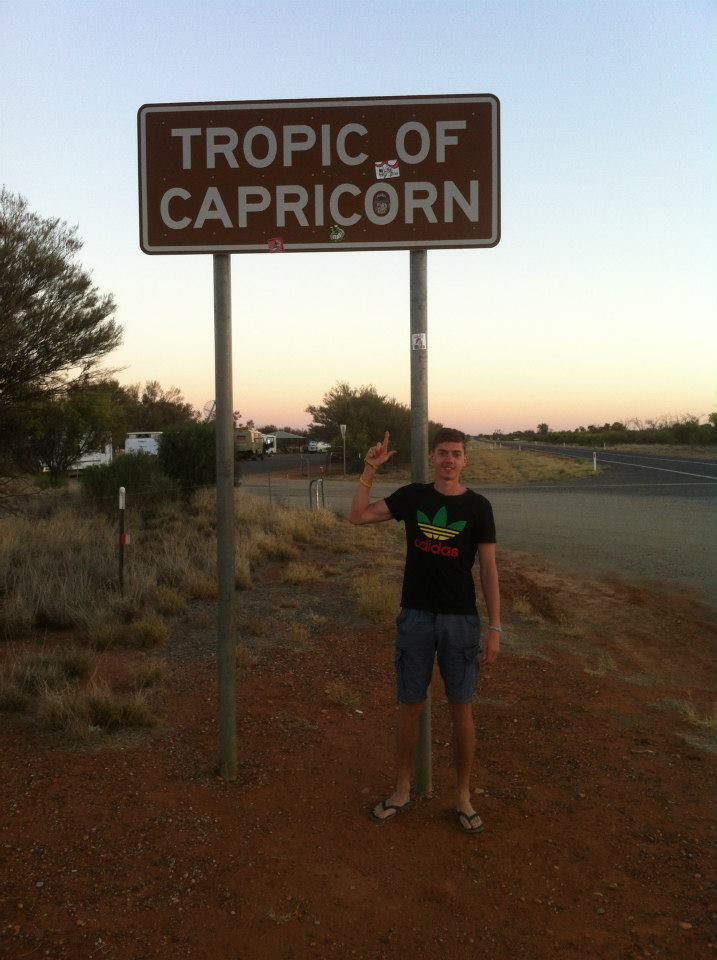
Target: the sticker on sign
pixel 231 177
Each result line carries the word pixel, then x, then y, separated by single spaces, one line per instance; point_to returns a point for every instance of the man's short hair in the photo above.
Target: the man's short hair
pixel 448 435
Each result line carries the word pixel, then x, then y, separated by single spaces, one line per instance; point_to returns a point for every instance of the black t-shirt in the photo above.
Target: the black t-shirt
pixel 442 537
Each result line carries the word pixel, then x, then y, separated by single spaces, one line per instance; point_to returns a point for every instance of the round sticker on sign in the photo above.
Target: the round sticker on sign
pixel 381 203
pixel 418 341
pixel 337 234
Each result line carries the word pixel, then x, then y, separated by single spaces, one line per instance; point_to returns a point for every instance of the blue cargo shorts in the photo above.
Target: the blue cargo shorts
pixel 420 636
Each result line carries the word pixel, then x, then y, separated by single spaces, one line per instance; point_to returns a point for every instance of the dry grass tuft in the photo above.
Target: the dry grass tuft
pixel 52 685
pixel 34 672
pixel 149 631
pixel 149 675
pixel 339 693
pixel 378 596
pixel 12 698
pixel 199 586
pixel 253 626
pixel 16 617
pixel 686 709
pixel 525 610
pixel 264 546
pixel 315 619
pixel 242 574
pixel 245 659
pixel 168 601
pixel 605 664
pixel 80 714
pixel 571 629
pixel 296 635
pixel 300 573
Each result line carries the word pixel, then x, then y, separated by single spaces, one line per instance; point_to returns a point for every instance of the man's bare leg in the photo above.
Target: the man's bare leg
pixel 464 743
pixel 406 736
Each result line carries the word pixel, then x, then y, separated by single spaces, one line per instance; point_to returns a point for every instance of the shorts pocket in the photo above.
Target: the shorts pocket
pixel 470 653
pixel 403 615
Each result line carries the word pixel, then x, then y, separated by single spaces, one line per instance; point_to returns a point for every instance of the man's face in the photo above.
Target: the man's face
pixel 448 459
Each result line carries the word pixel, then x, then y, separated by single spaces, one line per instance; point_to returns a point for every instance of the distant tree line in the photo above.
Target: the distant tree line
pixel 669 430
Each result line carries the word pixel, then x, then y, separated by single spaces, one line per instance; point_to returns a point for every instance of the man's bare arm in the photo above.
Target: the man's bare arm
pixel 491 594
pixel 362 510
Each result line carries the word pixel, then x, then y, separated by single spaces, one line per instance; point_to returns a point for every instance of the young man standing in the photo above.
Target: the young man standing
pixel 446 525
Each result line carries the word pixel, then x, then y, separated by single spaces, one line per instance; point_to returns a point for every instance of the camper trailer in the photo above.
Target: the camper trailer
pixel 248 444
pixel 96 458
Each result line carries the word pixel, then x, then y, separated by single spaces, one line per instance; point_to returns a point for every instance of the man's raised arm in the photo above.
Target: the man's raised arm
pixel 362 510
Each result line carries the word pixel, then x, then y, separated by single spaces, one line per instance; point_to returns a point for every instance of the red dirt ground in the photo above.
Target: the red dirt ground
pixel 599 843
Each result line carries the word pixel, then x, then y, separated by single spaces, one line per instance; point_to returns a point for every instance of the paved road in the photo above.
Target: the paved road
pixel 632 520
pixel 635 472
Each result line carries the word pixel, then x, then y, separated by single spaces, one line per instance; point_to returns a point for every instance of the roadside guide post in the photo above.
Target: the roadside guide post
pixel 122 538
pixel 292 176
pixel 423 766
pixel 226 647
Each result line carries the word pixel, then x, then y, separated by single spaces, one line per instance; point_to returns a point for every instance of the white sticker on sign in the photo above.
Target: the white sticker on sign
pixel 386 169
pixel 418 341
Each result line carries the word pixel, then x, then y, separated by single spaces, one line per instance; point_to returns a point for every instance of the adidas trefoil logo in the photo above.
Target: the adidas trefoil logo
pixel 438 529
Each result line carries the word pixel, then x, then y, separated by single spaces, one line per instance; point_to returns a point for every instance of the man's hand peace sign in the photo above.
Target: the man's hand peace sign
pixel 379 453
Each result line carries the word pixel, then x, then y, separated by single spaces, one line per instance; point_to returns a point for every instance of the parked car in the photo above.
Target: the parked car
pixel 318 446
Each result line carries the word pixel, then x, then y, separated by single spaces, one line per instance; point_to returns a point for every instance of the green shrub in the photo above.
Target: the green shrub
pixel 187 453
pixel 141 475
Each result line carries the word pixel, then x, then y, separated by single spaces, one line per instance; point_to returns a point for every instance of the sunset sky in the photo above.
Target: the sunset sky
pixel 599 303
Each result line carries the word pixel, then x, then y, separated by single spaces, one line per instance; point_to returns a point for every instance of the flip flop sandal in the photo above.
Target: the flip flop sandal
pixel 385 805
pixel 472 829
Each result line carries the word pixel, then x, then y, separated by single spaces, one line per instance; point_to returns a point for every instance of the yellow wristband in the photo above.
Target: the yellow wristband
pixel 370 463
pixel 364 483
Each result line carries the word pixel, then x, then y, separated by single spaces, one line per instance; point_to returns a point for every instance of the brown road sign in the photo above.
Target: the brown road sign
pixel 390 173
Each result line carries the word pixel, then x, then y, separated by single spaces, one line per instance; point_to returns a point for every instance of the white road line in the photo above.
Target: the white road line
pixel 643 466
pixel 598 488
pixel 628 463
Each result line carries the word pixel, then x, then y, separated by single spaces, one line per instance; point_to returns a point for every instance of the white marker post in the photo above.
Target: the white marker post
pixel 122 538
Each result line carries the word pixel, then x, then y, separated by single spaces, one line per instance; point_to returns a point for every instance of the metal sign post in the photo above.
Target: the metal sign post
pixel 423 772
pixel 342 427
pixel 226 647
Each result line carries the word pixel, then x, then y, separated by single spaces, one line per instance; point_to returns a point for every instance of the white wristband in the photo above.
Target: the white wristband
pixel 497 629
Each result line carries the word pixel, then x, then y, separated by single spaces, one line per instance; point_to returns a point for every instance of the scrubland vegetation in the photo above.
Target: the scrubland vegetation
pixel 84 659
pixel 59 591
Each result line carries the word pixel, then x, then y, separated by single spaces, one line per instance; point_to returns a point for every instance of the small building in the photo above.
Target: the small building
pixel 143 441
